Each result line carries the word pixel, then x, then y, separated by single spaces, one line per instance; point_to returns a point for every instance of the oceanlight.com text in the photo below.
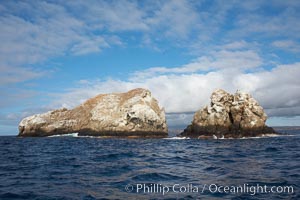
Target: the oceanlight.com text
pixel 142 188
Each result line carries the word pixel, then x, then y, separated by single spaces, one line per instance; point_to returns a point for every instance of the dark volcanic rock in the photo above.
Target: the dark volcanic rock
pixel 135 113
pixel 228 115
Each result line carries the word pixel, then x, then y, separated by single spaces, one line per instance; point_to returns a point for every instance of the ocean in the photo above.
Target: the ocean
pixel 117 168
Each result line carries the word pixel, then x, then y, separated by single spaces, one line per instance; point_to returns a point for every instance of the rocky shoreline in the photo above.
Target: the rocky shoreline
pixel 229 116
pixel 137 114
pixel 134 113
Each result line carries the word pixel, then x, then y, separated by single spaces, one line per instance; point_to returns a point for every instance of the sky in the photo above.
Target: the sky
pixel 57 54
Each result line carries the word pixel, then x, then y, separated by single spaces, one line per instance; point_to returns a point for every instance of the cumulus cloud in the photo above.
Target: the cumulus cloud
pixel 227 40
pixel 182 94
pixel 276 89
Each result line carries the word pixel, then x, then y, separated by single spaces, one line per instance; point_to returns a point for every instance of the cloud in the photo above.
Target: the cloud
pixel 281 20
pixel 179 121
pixel 235 45
pixel 174 18
pixel 33 33
pixel 227 41
pixel 276 89
pixel 43 35
pixel 113 16
pixel 216 60
pixel 89 46
pixel 54 28
pixel 287 45
pixel 13 98
pixel 9 121
pixel 11 75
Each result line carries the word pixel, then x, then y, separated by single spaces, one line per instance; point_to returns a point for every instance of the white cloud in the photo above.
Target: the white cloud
pixel 85 46
pixel 235 45
pixel 43 35
pixel 112 15
pixel 34 32
pixel 221 35
pixel 11 75
pixel 216 60
pixel 288 45
pixel 277 90
pixel 174 18
pixel 280 21
pixel 13 119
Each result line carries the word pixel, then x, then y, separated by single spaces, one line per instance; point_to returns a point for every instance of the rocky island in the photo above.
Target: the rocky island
pixel 229 116
pixel 135 113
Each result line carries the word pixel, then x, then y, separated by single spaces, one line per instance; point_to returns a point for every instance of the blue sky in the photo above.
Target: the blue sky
pixel 59 53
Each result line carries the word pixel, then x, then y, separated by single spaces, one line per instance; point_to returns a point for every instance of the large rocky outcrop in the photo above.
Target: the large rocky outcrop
pixel 237 115
pixel 135 113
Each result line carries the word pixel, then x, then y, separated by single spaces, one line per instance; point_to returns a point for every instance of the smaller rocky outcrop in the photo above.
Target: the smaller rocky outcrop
pixel 134 113
pixel 229 116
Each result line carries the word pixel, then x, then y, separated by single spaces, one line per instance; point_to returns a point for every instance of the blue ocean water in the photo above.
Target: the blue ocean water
pixel 97 168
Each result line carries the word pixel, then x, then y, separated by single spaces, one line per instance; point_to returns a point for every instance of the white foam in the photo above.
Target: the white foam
pixel 65 135
pixel 177 138
pixel 270 135
pixel 77 136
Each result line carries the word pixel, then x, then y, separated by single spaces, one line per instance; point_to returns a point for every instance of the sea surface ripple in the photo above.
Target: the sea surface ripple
pixel 96 168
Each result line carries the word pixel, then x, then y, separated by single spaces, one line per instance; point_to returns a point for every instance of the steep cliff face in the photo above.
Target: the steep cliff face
pixel 237 115
pixel 135 113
